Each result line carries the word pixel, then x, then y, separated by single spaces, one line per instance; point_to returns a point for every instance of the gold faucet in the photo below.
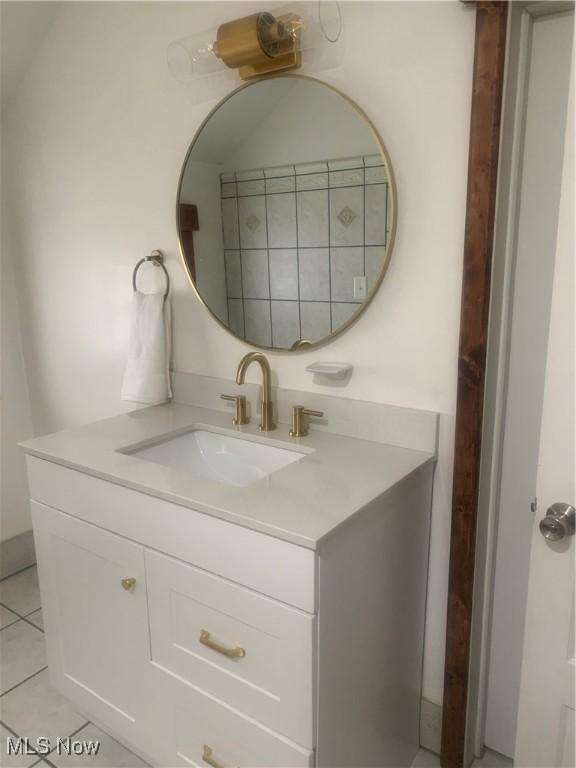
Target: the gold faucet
pixel 266 420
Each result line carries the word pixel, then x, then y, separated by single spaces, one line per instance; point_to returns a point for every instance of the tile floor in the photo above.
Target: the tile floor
pixel 30 707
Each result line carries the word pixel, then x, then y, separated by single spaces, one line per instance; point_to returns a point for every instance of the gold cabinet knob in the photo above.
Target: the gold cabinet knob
pixel 129 583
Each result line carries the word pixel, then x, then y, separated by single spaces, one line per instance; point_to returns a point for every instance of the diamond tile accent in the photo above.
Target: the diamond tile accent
pixel 346 216
pixel 252 222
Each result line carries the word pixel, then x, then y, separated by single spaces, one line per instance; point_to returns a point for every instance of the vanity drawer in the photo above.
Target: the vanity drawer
pixel 199 727
pixel 249 651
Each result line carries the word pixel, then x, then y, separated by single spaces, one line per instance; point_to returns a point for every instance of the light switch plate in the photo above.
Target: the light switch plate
pixel 360 287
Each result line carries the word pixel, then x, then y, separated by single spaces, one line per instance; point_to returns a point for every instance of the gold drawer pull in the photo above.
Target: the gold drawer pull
pixel 232 653
pixel 207 756
pixel 129 583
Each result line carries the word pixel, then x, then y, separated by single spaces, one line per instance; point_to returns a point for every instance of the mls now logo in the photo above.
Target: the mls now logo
pixel 42 746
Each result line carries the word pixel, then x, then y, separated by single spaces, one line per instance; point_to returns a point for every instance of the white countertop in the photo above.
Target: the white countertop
pixel 301 503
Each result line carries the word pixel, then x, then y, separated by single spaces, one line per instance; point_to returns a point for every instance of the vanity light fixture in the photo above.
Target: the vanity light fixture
pixel 257 45
pixel 260 44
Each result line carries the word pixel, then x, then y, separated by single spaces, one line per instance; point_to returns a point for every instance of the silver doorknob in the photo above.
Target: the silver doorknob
pixel 559 522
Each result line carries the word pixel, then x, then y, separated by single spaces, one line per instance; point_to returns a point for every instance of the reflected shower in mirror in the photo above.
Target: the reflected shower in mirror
pixel 286 212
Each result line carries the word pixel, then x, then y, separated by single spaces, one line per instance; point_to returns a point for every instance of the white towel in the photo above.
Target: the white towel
pixel 147 375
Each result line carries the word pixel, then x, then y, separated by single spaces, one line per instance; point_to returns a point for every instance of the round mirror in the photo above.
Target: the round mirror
pixel 286 212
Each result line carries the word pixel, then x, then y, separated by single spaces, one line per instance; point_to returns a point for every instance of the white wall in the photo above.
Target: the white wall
pixel 96 138
pixel 15 416
pixel 308 124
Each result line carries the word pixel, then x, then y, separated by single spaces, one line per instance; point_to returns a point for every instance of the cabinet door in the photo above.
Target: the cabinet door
pixel 96 622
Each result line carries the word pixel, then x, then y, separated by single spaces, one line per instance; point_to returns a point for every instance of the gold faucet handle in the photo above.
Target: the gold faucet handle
pixel 240 402
pixel 299 428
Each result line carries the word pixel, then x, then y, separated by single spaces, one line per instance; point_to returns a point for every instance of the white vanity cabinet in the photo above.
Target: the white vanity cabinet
pixel 200 642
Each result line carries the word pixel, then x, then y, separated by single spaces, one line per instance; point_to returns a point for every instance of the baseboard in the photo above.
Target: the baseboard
pixel 430 726
pixel 16 553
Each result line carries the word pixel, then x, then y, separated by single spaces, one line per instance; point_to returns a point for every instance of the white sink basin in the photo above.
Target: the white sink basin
pixel 230 460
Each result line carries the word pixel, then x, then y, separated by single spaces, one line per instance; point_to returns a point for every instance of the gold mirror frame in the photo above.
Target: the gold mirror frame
pixel 304 346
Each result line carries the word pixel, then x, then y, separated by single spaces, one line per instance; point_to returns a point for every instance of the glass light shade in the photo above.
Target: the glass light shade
pixel 315 25
pixel 193 57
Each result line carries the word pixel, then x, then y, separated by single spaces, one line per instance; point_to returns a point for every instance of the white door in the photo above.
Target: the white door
pixel 538 109
pixel 545 731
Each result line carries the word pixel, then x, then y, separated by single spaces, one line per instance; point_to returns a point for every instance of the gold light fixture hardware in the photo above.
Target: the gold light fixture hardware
pixel 129 583
pixel 240 401
pixel 231 653
pixel 259 44
pixel 266 417
pixel 208 757
pixel 299 428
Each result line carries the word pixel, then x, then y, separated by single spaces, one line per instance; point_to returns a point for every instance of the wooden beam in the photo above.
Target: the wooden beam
pixel 488 76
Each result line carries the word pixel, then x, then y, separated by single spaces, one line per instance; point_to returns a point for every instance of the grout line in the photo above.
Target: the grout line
pixel 364 230
pixel 24 618
pixel 10 575
pixel 31 612
pixel 330 253
pixel 268 262
pixel 307 248
pixel 225 264
pixel 306 189
pixel 34 753
pixel 16 620
pixel 295 301
pixel 88 722
pixel 386 230
pixel 298 265
pixel 12 731
pixel 23 681
pixel 20 615
pixel 240 260
pixel 70 736
pixel 297 173
pixel 42 757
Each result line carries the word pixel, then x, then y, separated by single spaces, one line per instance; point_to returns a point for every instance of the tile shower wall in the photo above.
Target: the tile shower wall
pixel 295 237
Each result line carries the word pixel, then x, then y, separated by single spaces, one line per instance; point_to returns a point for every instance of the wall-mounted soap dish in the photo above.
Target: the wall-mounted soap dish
pixel 332 370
